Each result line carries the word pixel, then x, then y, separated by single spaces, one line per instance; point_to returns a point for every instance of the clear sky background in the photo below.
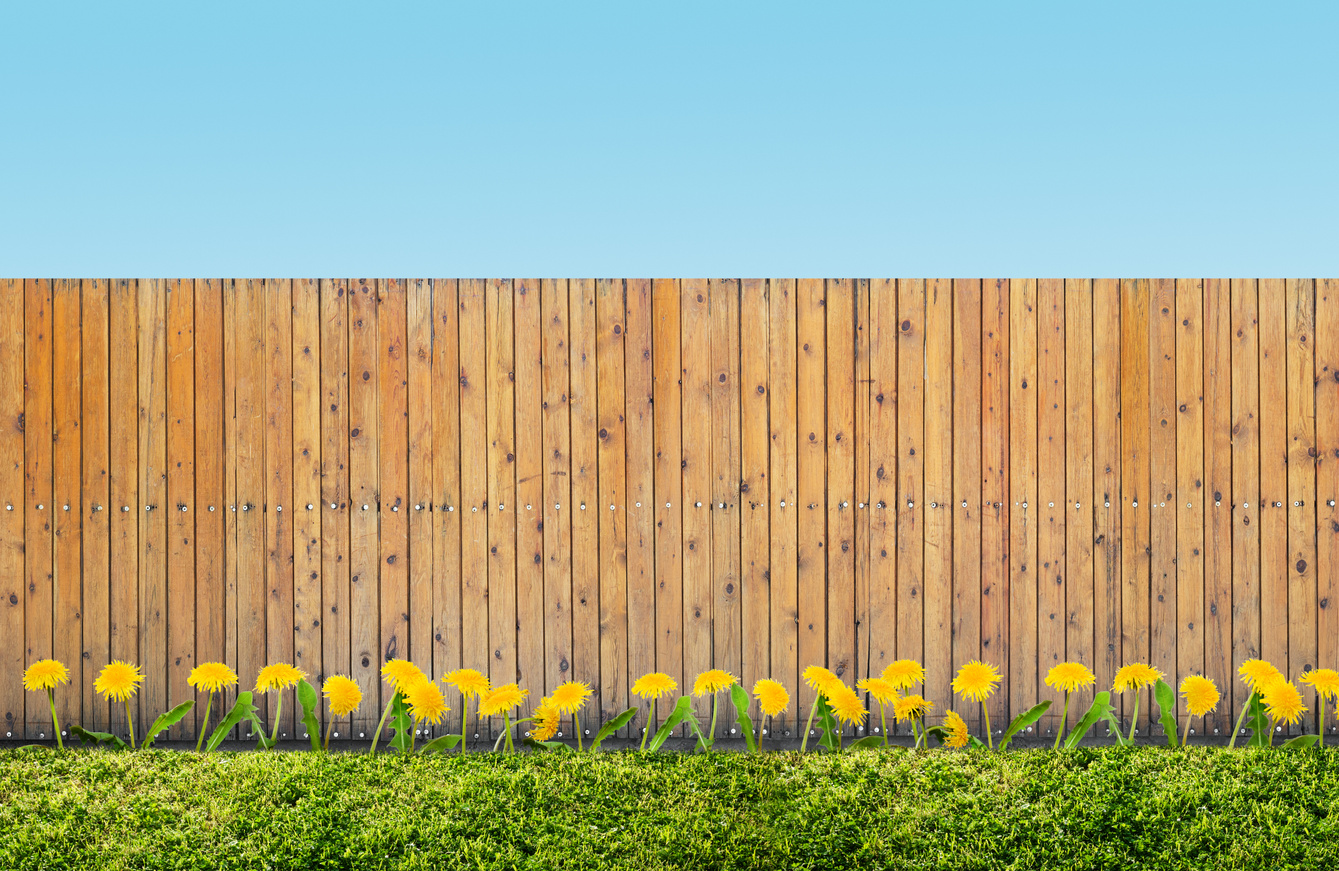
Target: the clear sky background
pixel 917 138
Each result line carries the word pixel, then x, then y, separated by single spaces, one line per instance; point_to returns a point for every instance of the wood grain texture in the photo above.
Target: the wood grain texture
pixel 811 476
pixel 1079 512
pixel 639 505
pixel 13 594
pixel 782 556
pixel 1273 339
pixel 418 355
pixel 335 558
pixel 1024 511
pixel 668 473
pixel 937 556
pixel 839 502
pixel 882 595
pixel 473 507
pixel 66 510
pixel 967 499
pixel 995 495
pixel 501 466
pixel 392 450
pixel 1300 501
pixel 1136 496
pixel 1108 552
pixel 557 486
pixel 529 487
pixel 911 503
pixel 585 486
pixel 1327 473
pixel 123 459
pixel 1245 482
pixel 364 550
pixel 153 594
pixel 181 506
pixel 306 484
pixel 610 331
pixel 209 509
pixel 1217 498
pixel 277 506
pixel 1162 512
pixel 754 496
pixel 446 477
pixel 1051 513
pixel 1189 504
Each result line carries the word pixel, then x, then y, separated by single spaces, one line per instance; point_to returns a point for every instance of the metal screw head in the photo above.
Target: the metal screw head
pixel 211 507
pixel 67 508
pixel 696 505
pixel 364 507
pixel 333 505
pixel 1024 504
pixel 783 503
pixel 611 508
pixel 39 507
pixel 246 507
pixel 310 506
pixel 181 507
pixel 278 508
pixel 395 507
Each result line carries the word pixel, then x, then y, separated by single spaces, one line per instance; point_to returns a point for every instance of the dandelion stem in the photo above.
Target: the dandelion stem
pixel 51 700
pixel 809 725
pixel 990 739
pixel 1320 724
pixel 1135 717
pixel 506 724
pixel 464 718
pixel 576 724
pixel 883 721
pixel 205 726
pixel 130 723
pixel 1185 736
pixel 278 708
pixel 376 736
pixel 1236 730
pixel 1064 715
pixel 646 730
pixel 715 705
pixel 329 727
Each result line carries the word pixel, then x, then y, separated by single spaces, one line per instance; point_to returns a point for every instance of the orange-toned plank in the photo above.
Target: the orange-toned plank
pixel 639 505
pixel 335 605
pixel 209 506
pixel 418 352
pixel 863 474
pixel 501 466
pixel 66 510
pixel 1189 506
pixel 811 476
pixel 93 427
pixel 1300 297
pixel 37 482
pixel 1272 307
pixel 1077 405
pixel 12 595
pixel 1106 492
pixel 883 332
pixel 782 472
pixel 1136 495
pixel 995 496
pixel 557 485
pixel 1025 514
pixel 695 339
pixel 446 566
pixel 364 471
pixel 278 493
pixel 153 470
pixel 1217 498
pixel 1162 476
pixel 610 403
pixel 393 458
pixel 665 372
pixel 529 487
pixel 911 503
pixel 473 508
pixel 754 500
pixel 967 498
pixel 306 484
pixel 125 505
pixel 1327 473
pixel 585 484
pixel 726 642
pixel 1051 514
pixel 228 506
pixel 180 505
pixel 937 496
pixel 839 502
pixel 1246 494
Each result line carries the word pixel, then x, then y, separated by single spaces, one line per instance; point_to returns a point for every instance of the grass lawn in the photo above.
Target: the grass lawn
pixel 1117 808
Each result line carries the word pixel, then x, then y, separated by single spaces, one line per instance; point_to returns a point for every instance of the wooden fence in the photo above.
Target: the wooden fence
pixel 594 479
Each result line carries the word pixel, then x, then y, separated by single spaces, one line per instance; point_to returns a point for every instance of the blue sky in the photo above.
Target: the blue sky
pixel 714 138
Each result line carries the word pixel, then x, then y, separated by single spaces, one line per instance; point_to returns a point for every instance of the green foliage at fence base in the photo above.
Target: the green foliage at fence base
pixel 1107 808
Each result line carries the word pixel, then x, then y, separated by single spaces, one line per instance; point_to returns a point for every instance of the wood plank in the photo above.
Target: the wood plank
pixel 209 505
pixel 336 624
pixel 557 475
pixel 1189 586
pixel 639 505
pixel 784 653
pixel 1300 295
pixel 967 509
pixel 1108 555
pixel 501 468
pixel 840 497
pixel 1024 517
pixel 668 475
pixel 1136 472
pixel 180 504
pixel 473 323
pixel 863 474
pixel 811 475
pixel 1051 514
pixel 911 500
pixel 1217 498
pixel 446 477
pixel 585 487
pixel 610 359
pixel 364 475
pixel 66 509
pixel 393 457
pixel 727 643
pixel 153 602
pixel 1079 527
pixel 1274 475
pixel 418 355
pixel 278 495
pixel 306 483
pixel 95 489
pixel 883 452
pixel 228 506
pixel 695 336
pixel 37 484
pixel 1327 472
pixel 13 598
pixel 754 498
pixel 995 497
pixel 529 487
pixel 1246 494
pixel 938 494
pixel 125 506
pixel 1162 626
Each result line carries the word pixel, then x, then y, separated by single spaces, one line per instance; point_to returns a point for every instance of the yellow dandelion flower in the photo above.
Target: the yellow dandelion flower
pixel 976 680
pixel 772 696
pixel 713 681
pixel 400 673
pixel 571 697
pixel 279 676
pixel 881 689
pixel 343 693
pixel 425 701
pixel 546 721
pixel 821 680
pixel 1070 676
pixel 1325 681
pixel 118 681
pixel 846 706
pixel 1200 693
pixel 45 674
pixel 469 682
pixel 1283 703
pixel 1136 675
pixel 653 685
pixel 1256 673
pixel 211 677
pixel 911 707
pixel 904 673
pixel 502 699
pixel 957 730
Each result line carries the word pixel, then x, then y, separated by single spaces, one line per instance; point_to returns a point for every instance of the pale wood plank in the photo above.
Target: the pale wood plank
pixel 1274 567
pixel 1190 543
pixel 13 595
pixel 1217 498
pixel 811 477
pixel 209 506
pixel 364 476
pixel 784 653
pixel 1080 513
pixel 938 494
pixel 66 508
pixel 180 505
pixel 153 604
pixel 529 488
pixel 839 501
pixel 1136 481
pixel 585 488
pixel 611 406
pixel 123 453
pixel 1300 296
pixel 1108 618
pixel 557 485
pixel 1024 513
pixel 639 507
pixel 306 498
pixel 1246 495
pixel 967 498
pixel 995 496
pixel 1051 514
pixel 278 495
pixel 336 623
pixel 473 508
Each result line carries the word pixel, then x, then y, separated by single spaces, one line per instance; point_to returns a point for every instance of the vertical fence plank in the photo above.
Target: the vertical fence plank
pixel 307 512
pixel 1136 496
pixel 123 452
pixel 231 465
pixel 153 604
pixel 839 500
pixel 666 371
pixel 1327 473
pixel 1300 459
pixel 782 557
pixel 724 507
pixel 863 473
pixel 557 490
pixel 393 492
pixel 363 422
pixel 883 452
pixel 910 465
pixel 1189 505
pixel 208 505
pixel 446 477
pixel 278 493
pixel 422 445
pixel 1274 474
pixel 1162 513
pixel 1052 574
pixel 585 516
pixel 1079 529
pixel 180 504
pixel 639 506
pixel 938 554
pixel 610 401
pixel 473 508
pixel 1024 512
pixel 995 496
pixel 529 489
pixel 501 484
pixel 695 326
pixel 1245 482
pixel 335 508
pixel 754 498
pixel 966 483
pixel 811 470
pixel 66 508
pixel 1108 553
pixel 13 598
pixel 1217 498
pixel 37 483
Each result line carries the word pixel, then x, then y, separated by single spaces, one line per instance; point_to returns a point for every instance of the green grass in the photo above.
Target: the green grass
pixel 1089 808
